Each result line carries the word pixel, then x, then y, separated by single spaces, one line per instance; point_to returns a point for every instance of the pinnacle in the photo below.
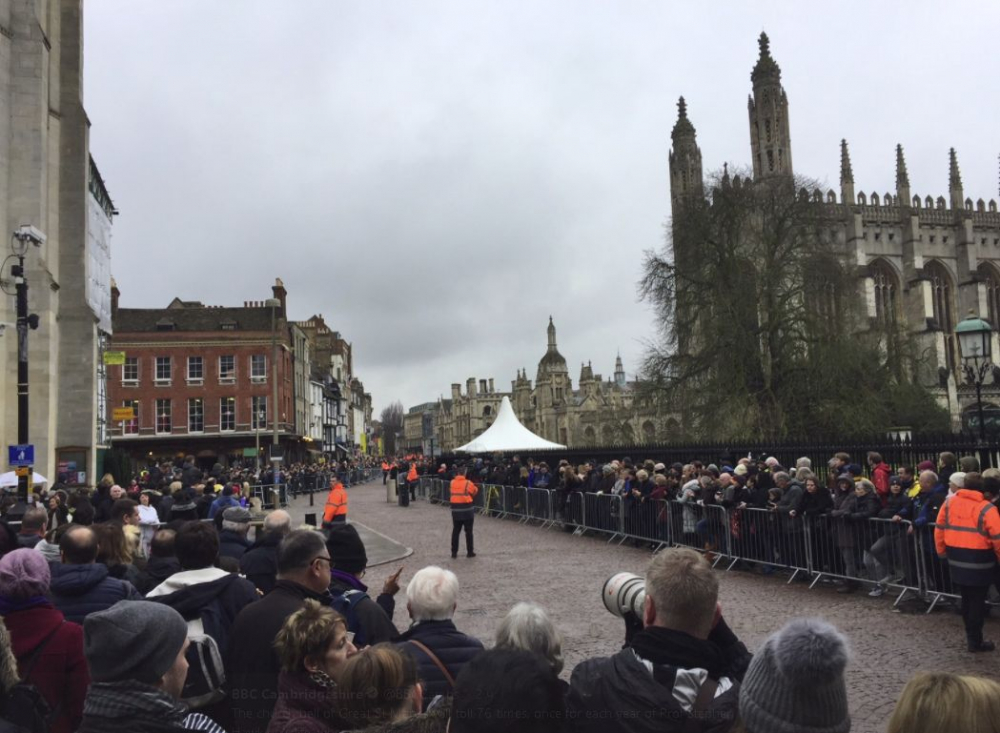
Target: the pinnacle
pixel 846 173
pixel 954 176
pixel 766 65
pixel 902 177
pixel 683 126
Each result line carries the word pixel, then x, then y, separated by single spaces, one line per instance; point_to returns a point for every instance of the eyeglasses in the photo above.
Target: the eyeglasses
pixel 327 558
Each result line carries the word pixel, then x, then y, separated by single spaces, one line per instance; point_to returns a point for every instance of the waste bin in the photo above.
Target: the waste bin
pixel 390 490
pixel 404 494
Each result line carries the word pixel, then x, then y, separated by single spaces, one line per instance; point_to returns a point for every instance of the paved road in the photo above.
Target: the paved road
pixel 565 574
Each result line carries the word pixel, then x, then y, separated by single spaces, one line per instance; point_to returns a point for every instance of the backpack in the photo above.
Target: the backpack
pixel 24 710
pixel 346 605
pixel 206 674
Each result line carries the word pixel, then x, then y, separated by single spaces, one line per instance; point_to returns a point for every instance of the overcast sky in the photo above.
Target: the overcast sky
pixel 437 178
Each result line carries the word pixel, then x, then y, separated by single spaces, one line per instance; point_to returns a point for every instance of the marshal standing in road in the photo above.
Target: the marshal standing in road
pixel 463 491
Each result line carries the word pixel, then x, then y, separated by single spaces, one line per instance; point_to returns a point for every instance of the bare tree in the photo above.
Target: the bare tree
pixel 392 425
pixel 761 330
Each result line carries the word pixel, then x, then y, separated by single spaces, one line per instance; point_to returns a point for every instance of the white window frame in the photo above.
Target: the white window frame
pixel 163 381
pixel 169 415
pixel 258 378
pixel 231 377
pixel 126 424
pixel 191 403
pixel 130 381
pixel 255 404
pixel 195 381
pixel 222 414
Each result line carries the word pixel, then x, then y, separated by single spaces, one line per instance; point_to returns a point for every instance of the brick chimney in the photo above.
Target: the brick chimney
pixel 280 294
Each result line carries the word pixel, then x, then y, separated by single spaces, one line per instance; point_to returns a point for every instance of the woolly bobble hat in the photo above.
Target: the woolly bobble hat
pixel 796 681
pixel 958 479
pixel 24 573
pixel 740 470
pixel 133 640
pixel 347 550
pixel 926 466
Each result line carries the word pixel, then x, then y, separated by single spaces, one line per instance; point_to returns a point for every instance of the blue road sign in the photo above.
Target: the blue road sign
pixel 21 455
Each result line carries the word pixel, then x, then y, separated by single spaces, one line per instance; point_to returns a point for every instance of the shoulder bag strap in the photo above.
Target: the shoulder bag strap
pixel 699 712
pixel 32 660
pixel 437 662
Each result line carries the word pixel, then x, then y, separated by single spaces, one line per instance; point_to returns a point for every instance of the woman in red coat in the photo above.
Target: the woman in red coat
pixel 49 649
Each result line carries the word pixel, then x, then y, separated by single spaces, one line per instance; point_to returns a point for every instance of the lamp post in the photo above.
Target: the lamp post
pixel 274 304
pixel 23 237
pixel 261 416
pixel 975 338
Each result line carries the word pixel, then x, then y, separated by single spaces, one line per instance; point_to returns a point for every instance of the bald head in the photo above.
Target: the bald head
pixel 278 521
pixel 78 546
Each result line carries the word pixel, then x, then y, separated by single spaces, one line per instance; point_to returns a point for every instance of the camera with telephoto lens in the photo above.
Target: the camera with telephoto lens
pixel 624 592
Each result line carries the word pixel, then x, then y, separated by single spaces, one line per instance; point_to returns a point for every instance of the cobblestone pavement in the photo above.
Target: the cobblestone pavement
pixel 565 574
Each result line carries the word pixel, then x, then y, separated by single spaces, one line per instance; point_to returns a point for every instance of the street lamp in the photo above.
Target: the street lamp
pixel 23 237
pixel 261 416
pixel 975 338
pixel 274 304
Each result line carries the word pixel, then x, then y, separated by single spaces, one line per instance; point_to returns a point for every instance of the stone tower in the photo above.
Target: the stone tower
pixel 685 159
pixel 770 141
pixel 619 372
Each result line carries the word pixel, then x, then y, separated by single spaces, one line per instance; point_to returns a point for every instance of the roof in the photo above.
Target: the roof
pixel 138 320
pixel 506 434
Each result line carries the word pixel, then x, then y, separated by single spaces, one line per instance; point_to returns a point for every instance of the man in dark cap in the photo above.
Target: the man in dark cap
pixel 371 621
pixel 136 654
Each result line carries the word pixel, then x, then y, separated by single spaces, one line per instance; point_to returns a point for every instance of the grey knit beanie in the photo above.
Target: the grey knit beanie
pixel 133 640
pixel 796 681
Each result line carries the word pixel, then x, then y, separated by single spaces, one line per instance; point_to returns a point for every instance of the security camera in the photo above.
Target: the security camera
pixel 28 234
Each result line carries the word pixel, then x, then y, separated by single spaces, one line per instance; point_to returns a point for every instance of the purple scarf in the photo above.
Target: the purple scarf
pixel 10 605
pixel 351 580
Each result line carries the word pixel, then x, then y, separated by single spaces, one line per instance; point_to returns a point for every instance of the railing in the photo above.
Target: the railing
pixel 889 555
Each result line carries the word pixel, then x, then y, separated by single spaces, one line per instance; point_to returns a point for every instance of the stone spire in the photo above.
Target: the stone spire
pixel 619 371
pixel 770 139
pixel 552 336
pixel 902 178
pixel 955 181
pixel 726 183
pixel 846 175
pixel 685 159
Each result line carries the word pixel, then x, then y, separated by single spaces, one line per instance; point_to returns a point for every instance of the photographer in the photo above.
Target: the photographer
pixel 683 664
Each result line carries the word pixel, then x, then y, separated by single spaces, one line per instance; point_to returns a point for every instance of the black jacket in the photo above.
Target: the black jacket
pixel 78 590
pixel 449 645
pixel 232 544
pixel 156 571
pixel 602 689
pixel 374 617
pixel 252 665
pixel 216 603
pixel 260 563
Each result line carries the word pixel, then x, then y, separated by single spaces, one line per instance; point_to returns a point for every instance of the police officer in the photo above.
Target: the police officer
pixel 463 491
pixel 968 536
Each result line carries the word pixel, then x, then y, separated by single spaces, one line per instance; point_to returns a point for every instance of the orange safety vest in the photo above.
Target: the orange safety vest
pixel 412 474
pixel 336 503
pixel 462 490
pixel 385 466
pixel 967 532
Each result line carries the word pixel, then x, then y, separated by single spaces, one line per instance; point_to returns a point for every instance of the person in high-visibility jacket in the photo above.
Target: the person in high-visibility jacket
pixel 412 479
pixel 336 503
pixel 463 491
pixel 967 534
pixel 385 471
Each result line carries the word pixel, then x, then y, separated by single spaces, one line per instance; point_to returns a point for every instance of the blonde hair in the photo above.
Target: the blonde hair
pixel 684 590
pixel 307 634
pixel 938 701
pixel 375 685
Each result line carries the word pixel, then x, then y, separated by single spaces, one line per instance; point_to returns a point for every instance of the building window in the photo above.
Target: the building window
pixel 130 370
pixel 227 413
pixel 131 427
pixel 258 368
pixel 163 370
pixel 944 311
pixel 196 369
pixel 886 293
pixel 992 281
pixel 196 415
pixel 258 413
pixel 163 416
pixel 227 369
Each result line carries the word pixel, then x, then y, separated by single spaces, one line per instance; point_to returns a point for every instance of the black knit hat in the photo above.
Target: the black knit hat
pixel 347 551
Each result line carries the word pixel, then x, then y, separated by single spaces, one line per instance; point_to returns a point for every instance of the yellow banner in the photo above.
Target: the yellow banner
pixel 114 358
pixel 120 414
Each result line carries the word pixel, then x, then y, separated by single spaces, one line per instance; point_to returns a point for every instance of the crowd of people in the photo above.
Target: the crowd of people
pixel 196 627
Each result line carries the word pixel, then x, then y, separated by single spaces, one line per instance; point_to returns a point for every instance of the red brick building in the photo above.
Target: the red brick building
pixel 200 380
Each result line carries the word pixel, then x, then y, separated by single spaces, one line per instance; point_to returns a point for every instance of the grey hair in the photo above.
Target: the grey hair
pixel 803 474
pixel 781 476
pixel 432 593
pixel 804 462
pixel 234 526
pixel 278 521
pixel 527 626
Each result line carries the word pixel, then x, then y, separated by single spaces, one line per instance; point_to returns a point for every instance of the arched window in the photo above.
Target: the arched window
pixel 886 292
pixel 648 431
pixel 944 308
pixel 991 278
pixel 487 411
pixel 607 434
pixel 589 436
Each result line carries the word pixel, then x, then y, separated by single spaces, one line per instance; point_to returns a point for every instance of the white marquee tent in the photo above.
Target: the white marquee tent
pixel 506 434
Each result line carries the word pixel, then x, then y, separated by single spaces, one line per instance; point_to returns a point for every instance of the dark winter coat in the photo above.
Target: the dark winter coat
pixel 815 504
pixel 453 648
pixel 28 540
pixel 60 671
pixel 851 518
pixel 375 617
pixel 790 499
pixel 260 563
pixel 232 544
pixel 156 571
pixel 895 505
pixel 215 602
pixel 252 665
pixel 220 505
pixel 601 688
pixel 79 590
pixel 304 707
